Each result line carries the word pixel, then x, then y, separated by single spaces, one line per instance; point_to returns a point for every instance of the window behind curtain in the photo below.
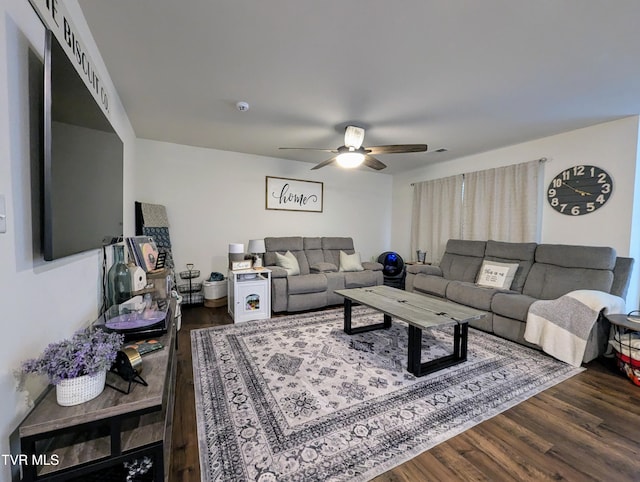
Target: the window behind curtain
pixel 436 215
pixel 500 204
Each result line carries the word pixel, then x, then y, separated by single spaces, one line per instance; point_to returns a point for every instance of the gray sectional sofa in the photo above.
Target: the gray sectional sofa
pixel 319 263
pixel 544 271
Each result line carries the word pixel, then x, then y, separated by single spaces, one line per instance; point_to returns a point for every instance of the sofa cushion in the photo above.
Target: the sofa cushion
pixel 548 282
pixel 335 281
pixel 593 257
pixel 461 268
pixel 323 268
pixel 372 265
pixel 306 301
pixel 511 330
pixel 433 285
pixel 331 248
pixel 465 247
pixel 313 250
pixel 424 268
pixel 311 243
pixel 462 259
pixel 495 274
pixel 469 294
pixel 485 323
pixel 337 243
pixel 511 305
pixel 359 279
pixel 278 272
pixel 307 283
pixel 314 256
pixel 560 268
pixel 350 262
pixel 281 245
pixel 505 250
pixel 289 262
pixel 521 253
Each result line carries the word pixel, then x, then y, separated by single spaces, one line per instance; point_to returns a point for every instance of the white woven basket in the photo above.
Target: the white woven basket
pixel 74 391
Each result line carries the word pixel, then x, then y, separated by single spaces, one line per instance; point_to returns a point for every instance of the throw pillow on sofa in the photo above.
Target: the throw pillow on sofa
pixel 494 274
pixel 350 262
pixel 289 262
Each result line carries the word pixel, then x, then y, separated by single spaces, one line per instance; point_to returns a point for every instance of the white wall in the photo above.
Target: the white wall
pixel 612 146
pixel 215 197
pixel 41 301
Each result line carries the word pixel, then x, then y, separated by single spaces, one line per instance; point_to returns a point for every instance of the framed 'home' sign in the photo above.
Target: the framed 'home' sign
pixel 293 194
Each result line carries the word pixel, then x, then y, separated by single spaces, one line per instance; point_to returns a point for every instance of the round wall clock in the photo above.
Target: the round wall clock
pixel 579 190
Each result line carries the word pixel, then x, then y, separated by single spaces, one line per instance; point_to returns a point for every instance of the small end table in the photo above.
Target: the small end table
pixel 249 294
pixel 625 329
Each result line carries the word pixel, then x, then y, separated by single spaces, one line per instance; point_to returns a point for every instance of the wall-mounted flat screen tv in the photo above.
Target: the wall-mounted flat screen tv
pixel 83 163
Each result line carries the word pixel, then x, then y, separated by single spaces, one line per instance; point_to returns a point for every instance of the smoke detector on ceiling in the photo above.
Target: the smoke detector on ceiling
pixel 242 106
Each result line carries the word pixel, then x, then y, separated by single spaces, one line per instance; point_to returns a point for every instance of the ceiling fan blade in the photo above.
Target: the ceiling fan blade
pixel 373 163
pixel 324 163
pixel 310 149
pixel 397 149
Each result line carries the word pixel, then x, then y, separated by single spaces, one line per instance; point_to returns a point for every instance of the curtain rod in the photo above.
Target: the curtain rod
pixel 540 160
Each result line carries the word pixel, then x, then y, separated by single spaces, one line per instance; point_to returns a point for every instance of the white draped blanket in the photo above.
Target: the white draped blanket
pixel 561 327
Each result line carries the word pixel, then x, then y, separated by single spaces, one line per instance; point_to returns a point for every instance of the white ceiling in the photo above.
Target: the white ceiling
pixel 466 75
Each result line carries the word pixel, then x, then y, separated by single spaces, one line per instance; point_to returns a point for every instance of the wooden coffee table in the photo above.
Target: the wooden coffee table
pixel 419 311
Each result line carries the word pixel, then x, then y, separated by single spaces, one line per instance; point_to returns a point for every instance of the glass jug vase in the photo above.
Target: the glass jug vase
pixel 118 278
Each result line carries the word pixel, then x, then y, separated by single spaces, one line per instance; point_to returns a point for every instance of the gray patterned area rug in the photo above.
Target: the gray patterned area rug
pixel 296 399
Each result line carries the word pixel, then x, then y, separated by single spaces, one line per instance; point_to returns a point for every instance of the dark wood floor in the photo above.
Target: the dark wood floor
pixel 583 429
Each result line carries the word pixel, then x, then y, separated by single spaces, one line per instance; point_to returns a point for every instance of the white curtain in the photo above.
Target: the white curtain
pixel 502 203
pixel 436 215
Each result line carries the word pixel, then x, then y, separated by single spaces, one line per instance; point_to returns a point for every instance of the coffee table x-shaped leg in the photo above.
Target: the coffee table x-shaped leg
pixel 414 355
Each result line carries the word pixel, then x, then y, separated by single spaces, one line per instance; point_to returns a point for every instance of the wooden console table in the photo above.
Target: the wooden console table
pixel 64 443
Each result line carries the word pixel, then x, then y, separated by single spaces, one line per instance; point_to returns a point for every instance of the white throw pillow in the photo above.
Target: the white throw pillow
pixel 494 274
pixel 350 262
pixel 289 262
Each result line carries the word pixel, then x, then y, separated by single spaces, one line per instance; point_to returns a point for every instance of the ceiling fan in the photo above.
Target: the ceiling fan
pixel 352 153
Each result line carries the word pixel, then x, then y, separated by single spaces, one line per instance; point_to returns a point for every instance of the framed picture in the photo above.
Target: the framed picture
pixel 293 194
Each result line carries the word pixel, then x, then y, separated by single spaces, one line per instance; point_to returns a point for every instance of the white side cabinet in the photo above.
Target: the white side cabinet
pixel 249 294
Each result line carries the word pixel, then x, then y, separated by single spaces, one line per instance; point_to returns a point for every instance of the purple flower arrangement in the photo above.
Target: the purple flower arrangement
pixel 87 352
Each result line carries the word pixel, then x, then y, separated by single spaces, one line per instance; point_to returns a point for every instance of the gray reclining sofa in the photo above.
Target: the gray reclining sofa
pixel 545 271
pixel 319 261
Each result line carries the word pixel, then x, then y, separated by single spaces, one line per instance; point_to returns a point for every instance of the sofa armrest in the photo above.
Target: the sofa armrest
pixel 424 269
pixel 372 265
pixel 278 272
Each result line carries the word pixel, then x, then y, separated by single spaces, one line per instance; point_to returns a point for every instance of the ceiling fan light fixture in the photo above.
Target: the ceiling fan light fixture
pixel 353 136
pixel 350 160
pixel 353 154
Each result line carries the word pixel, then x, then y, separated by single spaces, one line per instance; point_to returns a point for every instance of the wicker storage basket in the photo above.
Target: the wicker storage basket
pixel 74 391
